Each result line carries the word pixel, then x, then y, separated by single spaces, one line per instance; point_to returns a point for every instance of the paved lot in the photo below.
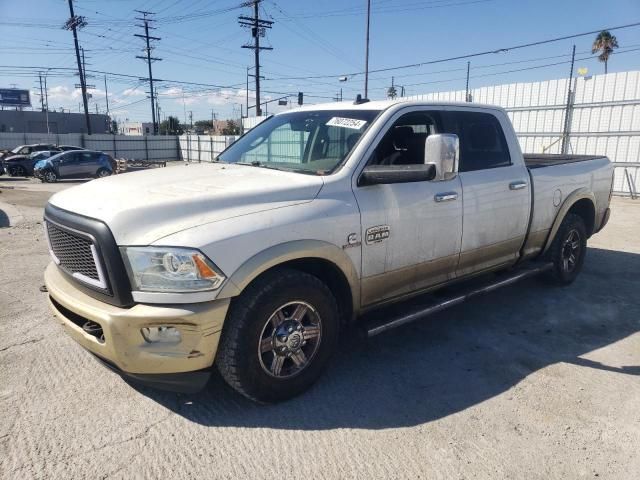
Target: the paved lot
pixel 529 382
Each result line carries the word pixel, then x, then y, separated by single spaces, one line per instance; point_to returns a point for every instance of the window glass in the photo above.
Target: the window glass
pixel 482 141
pixel 404 143
pixel 312 142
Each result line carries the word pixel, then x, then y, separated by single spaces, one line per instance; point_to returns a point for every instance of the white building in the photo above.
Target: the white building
pixel 135 128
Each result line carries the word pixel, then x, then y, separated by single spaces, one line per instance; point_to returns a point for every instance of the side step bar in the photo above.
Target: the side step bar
pixel 440 304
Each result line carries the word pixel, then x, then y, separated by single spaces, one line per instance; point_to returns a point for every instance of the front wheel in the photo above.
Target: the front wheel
pixel 568 250
pixel 278 336
pixel 16 171
pixel 50 176
pixel 103 172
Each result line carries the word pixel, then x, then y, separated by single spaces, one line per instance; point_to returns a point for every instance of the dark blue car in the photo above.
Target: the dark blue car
pixel 74 164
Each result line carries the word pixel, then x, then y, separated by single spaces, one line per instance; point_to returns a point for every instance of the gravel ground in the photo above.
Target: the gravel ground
pixel 531 381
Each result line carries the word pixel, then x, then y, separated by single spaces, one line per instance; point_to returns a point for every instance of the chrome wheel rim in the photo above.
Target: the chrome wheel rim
pixel 289 339
pixel 50 176
pixel 571 251
pixel 103 173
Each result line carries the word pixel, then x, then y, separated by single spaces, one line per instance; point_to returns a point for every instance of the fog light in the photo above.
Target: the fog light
pixel 161 334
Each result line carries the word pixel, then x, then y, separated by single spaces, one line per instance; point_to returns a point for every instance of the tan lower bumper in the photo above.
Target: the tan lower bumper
pixel 199 324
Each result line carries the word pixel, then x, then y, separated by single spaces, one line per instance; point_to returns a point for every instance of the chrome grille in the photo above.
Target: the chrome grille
pixel 75 254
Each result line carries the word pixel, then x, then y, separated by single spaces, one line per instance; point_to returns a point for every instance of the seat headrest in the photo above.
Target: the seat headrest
pixel 402 137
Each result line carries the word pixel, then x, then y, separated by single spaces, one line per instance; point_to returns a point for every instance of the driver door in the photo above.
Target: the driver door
pixel 411 232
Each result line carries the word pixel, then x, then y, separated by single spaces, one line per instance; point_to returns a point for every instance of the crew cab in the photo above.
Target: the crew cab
pixel 313 221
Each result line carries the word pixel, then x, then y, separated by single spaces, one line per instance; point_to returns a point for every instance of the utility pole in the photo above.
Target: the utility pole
pixel 41 92
pixel 73 24
pixel 106 99
pixel 191 119
pixel 149 59
pixel 46 103
pixel 157 109
pixel 366 56
pixel 258 28
pixel 567 113
pixel 466 92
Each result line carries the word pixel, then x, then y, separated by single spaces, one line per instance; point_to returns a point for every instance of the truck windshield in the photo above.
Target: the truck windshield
pixel 311 142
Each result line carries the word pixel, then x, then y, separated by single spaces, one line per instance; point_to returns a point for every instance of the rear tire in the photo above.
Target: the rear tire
pixel 278 336
pixel 568 250
pixel 16 171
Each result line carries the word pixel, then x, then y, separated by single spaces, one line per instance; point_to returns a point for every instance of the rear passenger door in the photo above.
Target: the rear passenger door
pixel 497 197
pixel 88 164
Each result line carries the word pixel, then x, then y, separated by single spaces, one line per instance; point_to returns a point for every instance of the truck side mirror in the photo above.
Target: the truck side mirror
pixel 443 151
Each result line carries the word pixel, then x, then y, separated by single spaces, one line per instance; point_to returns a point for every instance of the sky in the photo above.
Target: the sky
pixel 315 44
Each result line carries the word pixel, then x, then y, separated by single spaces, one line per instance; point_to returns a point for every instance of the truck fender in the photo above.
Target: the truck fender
pixel 570 201
pixel 290 251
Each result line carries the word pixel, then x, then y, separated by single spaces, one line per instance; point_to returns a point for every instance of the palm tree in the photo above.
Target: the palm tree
pixel 605 43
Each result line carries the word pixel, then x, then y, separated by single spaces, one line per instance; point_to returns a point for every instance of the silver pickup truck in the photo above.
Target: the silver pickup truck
pixel 314 220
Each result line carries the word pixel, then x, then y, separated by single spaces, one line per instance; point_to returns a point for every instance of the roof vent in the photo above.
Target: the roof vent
pixel 360 100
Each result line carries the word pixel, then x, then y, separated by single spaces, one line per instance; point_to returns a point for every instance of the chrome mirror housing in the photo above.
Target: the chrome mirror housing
pixel 443 151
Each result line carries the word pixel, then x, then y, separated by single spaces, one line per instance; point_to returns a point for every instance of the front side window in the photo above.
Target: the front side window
pixel 312 142
pixel 404 142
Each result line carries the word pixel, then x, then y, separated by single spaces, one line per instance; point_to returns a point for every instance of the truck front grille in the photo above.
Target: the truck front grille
pixel 76 254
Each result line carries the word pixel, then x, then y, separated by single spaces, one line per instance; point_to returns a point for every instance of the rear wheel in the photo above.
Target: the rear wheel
pixel 278 336
pixel 16 171
pixel 568 250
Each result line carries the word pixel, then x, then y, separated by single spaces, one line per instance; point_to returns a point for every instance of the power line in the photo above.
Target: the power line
pixel 469 55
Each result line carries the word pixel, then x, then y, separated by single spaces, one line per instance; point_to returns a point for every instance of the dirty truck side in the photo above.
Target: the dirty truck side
pixel 315 219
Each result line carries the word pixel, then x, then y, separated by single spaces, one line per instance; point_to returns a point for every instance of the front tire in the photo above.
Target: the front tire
pixel 278 336
pixel 568 250
pixel 50 176
pixel 16 171
pixel 103 172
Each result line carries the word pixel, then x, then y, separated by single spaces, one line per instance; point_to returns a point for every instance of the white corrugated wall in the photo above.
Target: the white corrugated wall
pixel 604 120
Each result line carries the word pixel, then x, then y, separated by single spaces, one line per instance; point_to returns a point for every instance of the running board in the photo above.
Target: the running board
pixel 440 304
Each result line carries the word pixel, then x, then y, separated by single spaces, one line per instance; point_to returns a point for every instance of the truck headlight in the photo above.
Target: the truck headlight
pixel 170 269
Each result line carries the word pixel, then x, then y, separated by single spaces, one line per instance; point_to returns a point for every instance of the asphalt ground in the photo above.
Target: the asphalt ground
pixel 528 382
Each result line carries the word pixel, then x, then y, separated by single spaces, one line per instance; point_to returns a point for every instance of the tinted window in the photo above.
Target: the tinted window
pixel 86 158
pixel 482 141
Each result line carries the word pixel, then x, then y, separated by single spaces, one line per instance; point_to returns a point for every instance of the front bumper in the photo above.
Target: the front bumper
pixel 113 334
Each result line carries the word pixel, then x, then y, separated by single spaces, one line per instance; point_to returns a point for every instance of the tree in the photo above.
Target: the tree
pixel 605 43
pixel 231 128
pixel 203 125
pixel 171 126
pixel 114 127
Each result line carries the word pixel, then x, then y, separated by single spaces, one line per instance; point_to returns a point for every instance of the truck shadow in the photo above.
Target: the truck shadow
pixel 450 361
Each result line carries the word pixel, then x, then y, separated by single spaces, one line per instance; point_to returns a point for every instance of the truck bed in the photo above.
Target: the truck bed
pixel 540 160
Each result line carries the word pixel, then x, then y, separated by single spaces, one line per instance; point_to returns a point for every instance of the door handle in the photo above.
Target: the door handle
pixel 519 185
pixel 446 196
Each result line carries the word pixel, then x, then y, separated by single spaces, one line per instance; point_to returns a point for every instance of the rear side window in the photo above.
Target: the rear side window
pixel 482 141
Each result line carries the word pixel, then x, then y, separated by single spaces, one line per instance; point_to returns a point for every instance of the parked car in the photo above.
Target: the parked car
pixel 74 164
pixel 27 150
pixel 66 148
pixel 261 260
pixel 22 165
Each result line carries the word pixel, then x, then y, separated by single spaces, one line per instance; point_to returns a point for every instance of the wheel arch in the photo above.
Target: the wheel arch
pixel 326 261
pixel 581 202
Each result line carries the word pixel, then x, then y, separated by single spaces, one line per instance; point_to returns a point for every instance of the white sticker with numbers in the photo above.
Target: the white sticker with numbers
pixel 352 123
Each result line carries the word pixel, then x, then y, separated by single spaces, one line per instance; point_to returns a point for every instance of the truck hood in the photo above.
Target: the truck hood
pixel 142 207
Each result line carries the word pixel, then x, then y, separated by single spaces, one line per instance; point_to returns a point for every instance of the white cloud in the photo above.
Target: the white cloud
pixel 133 92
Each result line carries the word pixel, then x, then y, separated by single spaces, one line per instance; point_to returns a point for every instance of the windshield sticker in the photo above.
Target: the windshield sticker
pixel 352 123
